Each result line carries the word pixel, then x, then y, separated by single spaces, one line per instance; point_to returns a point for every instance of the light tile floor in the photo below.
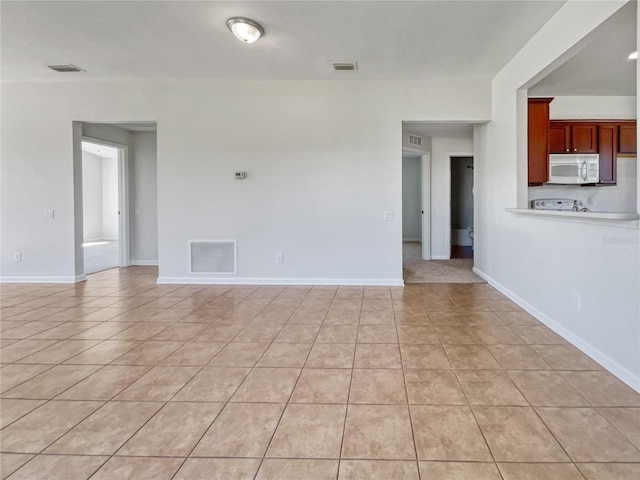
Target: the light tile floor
pixel 121 378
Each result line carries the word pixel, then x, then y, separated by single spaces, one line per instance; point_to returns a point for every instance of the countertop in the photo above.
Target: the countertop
pixel 622 219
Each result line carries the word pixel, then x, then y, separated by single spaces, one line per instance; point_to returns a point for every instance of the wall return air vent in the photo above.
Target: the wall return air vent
pixel 345 66
pixel 415 140
pixel 213 256
pixel 66 68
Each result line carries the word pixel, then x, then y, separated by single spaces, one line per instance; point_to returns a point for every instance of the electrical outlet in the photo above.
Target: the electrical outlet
pixel 279 258
pixel 136 211
pixel 577 301
pixel 17 257
pixel 589 200
pixel 48 214
pixel 387 216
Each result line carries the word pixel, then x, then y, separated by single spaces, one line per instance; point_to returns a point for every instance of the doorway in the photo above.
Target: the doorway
pixel 104 180
pixel 461 205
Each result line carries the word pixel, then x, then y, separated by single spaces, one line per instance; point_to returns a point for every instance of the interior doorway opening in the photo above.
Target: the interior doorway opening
pixel 461 205
pixel 104 235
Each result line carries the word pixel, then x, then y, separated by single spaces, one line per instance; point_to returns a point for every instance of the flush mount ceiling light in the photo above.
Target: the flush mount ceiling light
pixel 633 56
pixel 245 30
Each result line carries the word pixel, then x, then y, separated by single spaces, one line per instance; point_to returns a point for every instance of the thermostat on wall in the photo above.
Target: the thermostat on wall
pixel 240 175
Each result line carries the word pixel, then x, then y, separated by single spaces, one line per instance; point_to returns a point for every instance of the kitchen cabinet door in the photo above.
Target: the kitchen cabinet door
pixel 538 140
pixel 584 138
pixel 627 138
pixel 559 138
pixel 607 151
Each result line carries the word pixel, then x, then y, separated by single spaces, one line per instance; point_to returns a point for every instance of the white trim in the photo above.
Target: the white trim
pixel 611 365
pixel 59 279
pixel 144 262
pixel 382 282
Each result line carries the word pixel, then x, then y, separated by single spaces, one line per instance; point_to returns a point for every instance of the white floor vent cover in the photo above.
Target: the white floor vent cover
pixel 213 256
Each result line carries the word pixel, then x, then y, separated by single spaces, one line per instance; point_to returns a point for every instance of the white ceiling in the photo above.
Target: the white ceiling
pixel 190 39
pixel 602 67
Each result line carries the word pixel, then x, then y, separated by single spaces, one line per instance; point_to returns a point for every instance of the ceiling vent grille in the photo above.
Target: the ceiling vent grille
pixel 415 140
pixel 67 68
pixel 213 256
pixel 345 66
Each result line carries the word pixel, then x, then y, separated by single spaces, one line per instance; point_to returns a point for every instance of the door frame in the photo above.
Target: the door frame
pixel 425 191
pixel 124 253
pixel 448 213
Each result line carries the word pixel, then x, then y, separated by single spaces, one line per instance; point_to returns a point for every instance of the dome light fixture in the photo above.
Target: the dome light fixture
pixel 633 56
pixel 245 30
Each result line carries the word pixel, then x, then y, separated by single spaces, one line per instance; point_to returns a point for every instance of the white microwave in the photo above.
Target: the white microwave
pixel 574 169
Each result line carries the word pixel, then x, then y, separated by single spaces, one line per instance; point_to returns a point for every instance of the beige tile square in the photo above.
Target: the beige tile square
pixel 158 384
pixel 151 352
pixel 194 354
pixel 138 467
pixel 10 462
pixel 140 331
pixel 257 333
pixel 377 317
pixel 322 386
pixel 477 317
pixel 304 317
pixel 241 430
pixel 538 335
pixel 337 334
pixel 60 467
pixel 536 471
pixel 626 420
pixel 239 355
pixel 489 387
pixel 497 335
pixel 518 318
pixel 105 383
pixel 213 384
pixel 309 431
pixel 546 389
pixel 516 434
pixel 377 334
pixel 470 357
pixel 331 356
pixel 23 348
pixel 447 433
pixel 106 430
pixel 565 357
pixel 59 352
pixel 218 469
pixel 373 386
pixel 378 470
pixel 518 357
pixel 12 410
pixel 219 333
pixel 610 471
pixel 447 318
pixel 424 357
pixel 52 382
pixel 434 387
pixel 342 317
pixel 35 431
pixel 173 431
pixel 378 432
pixel 602 389
pixel 285 355
pixel 418 335
pixel 458 335
pixel 459 471
pixel 267 385
pixel 296 469
pixel 298 333
pixel 16 374
pixel 103 353
pixel 587 436
pixel 103 331
pixel 377 355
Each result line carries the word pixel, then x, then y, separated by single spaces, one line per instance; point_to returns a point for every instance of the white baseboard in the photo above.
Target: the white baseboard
pixel 440 257
pixel 144 262
pixel 382 282
pixel 607 362
pixel 76 279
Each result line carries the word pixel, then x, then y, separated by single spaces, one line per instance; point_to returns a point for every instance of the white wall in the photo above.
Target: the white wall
pixel 543 263
pixel 596 107
pixel 110 227
pixel 322 160
pixel 411 198
pixel 144 198
pixel 92 196
pixel 441 150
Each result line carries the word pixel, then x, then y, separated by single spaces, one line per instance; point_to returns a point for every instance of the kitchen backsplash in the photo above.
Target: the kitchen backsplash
pixel 615 198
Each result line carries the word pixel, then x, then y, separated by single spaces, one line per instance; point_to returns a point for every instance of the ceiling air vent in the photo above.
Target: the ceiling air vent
pixel 67 68
pixel 345 66
pixel 213 256
pixel 415 140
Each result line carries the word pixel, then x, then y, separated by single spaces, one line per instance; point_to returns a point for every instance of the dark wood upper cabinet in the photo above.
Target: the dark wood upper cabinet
pixel 538 140
pixel 559 138
pixel 607 150
pixel 627 138
pixel 584 138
